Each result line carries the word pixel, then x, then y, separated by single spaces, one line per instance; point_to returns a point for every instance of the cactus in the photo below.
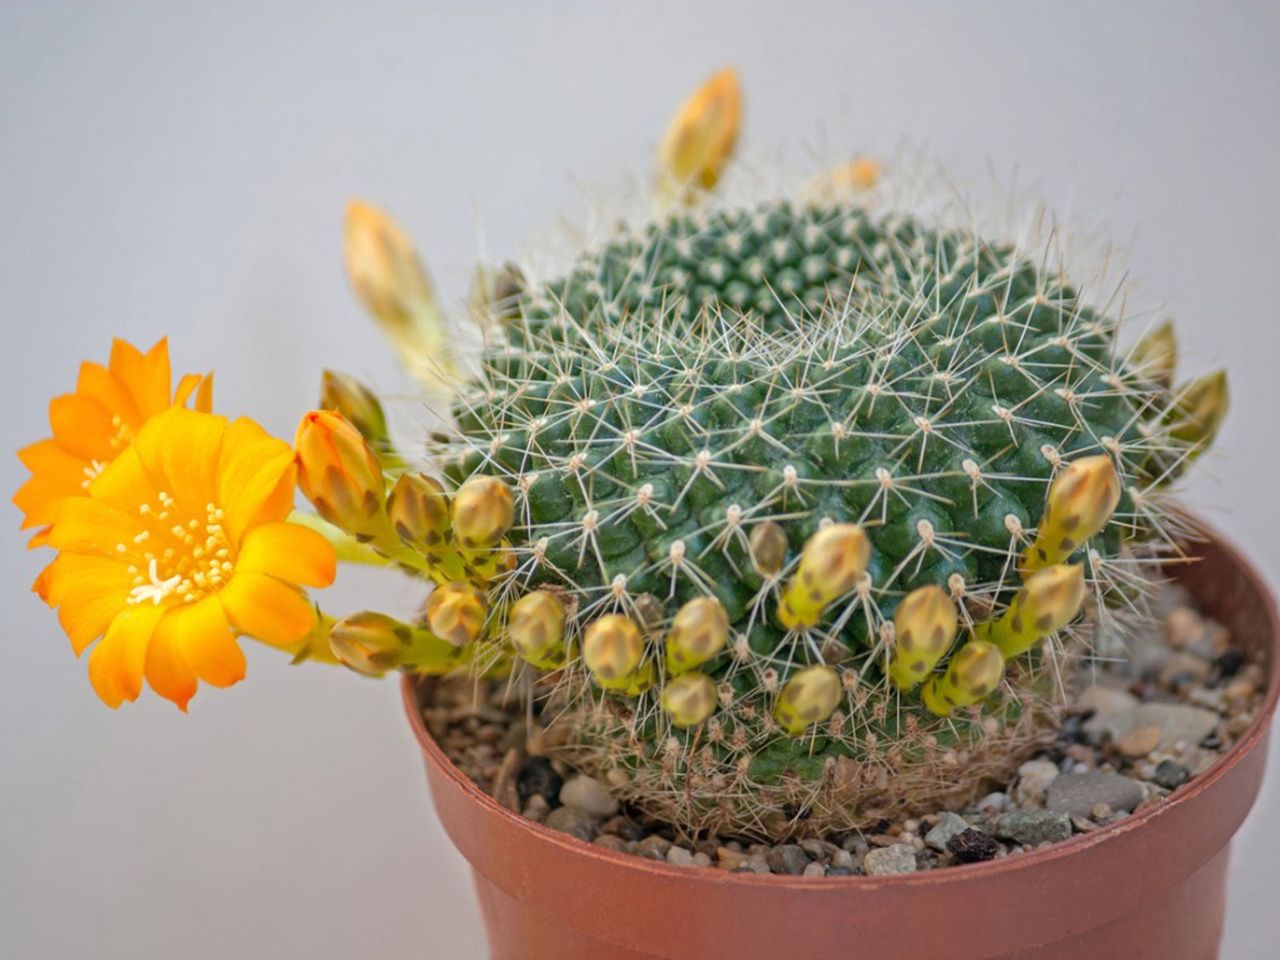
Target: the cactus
pixel 787 503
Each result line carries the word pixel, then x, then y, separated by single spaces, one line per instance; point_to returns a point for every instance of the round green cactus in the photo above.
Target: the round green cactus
pixel 683 411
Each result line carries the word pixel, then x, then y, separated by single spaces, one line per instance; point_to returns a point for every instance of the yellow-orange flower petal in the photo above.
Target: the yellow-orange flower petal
pixel 175 547
pixel 93 425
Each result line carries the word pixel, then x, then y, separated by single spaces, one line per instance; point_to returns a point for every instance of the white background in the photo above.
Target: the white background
pixel 183 171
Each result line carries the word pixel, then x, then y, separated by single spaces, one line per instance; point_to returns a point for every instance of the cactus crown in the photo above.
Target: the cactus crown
pixel 779 501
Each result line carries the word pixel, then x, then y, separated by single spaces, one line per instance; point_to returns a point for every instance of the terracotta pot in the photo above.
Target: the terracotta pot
pixel 1152 886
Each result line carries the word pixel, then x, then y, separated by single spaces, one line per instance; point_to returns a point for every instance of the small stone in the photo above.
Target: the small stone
pixel 949 825
pixel 839 871
pixel 1034 778
pixel 1229 663
pixel 815 870
pixel 1034 827
pixel 973 846
pixel 589 794
pixel 537 777
pixel 680 857
pixel 654 847
pixel 1076 794
pixel 623 827
pixel 1183 668
pixel 701 859
pixel 1105 701
pixel 575 822
pixel 1139 741
pixel 1178 722
pixel 1170 775
pixel 536 809
pixel 788 858
pixel 610 842
pixel 842 858
pixel 886 861
pixel 993 803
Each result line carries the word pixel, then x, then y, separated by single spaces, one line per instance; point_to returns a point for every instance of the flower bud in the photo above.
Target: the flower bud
pixel 701 136
pixel 613 650
pixel 974 672
pixel 1199 410
pixel 483 510
pixel 689 699
pixel 456 612
pixel 535 627
pixel 370 643
pixel 859 175
pixel 699 631
pixel 1047 602
pixel 340 474
pixel 924 627
pixel 418 509
pixel 808 697
pixel 351 398
pixel 768 544
pixel 1156 354
pixel 831 564
pixel 1081 500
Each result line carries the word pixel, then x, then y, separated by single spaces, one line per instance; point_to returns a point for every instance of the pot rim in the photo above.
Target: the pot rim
pixel 1028 860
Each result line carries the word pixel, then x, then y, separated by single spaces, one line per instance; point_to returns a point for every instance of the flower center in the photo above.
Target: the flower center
pixel 183 558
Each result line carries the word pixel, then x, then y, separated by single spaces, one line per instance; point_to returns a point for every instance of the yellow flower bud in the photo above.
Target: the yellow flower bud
pixel 357 403
pixel 1200 408
pixel 456 612
pixel 535 627
pixel 1048 601
pixel 483 510
pixel 974 672
pixel 1081 500
pixel 340 474
pixel 389 279
pixel 831 564
pixel 701 136
pixel 808 697
pixel 613 650
pixel 373 643
pixel 689 699
pixel 699 631
pixel 924 627
pixel 1156 354
pixel 860 174
pixel 768 543
pixel 418 509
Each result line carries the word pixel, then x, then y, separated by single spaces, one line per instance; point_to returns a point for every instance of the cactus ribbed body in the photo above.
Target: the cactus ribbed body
pixel 798 365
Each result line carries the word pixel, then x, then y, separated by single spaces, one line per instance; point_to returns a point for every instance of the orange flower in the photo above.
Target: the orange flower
pixel 181 543
pixel 92 425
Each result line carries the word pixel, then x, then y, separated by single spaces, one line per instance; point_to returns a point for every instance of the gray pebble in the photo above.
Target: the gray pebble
pixel 788 858
pixel 571 820
pixel 1033 827
pixel 1077 794
pixel 589 794
pixel 654 847
pixel 1170 775
pixel 1034 778
pixel 680 857
pixel 993 802
pixel 949 825
pixel 885 861
pixel 815 870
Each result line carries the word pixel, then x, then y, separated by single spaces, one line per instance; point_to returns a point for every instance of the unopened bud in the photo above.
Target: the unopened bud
pixel 535 627
pixel 340 474
pixel 701 136
pixel 370 643
pixel 768 544
pixel 689 699
pixel 351 398
pixel 973 673
pixel 831 564
pixel 698 632
pixel 418 509
pixel 1048 601
pixel 483 510
pixel 1081 500
pixel 456 612
pixel 1156 355
pixel 613 650
pixel 808 697
pixel 925 626
pixel 1200 408
pixel 860 174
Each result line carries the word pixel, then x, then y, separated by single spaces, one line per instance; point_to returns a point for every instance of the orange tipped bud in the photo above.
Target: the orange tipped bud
pixel 699 631
pixel 613 650
pixel 456 612
pixel 831 564
pixel 689 699
pixel 340 474
pixel 701 136
pixel 1081 500
pixel 924 627
pixel 483 510
pixel 808 697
